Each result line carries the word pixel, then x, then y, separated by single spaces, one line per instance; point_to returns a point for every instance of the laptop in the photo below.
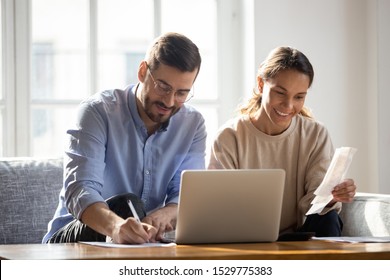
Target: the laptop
pixel 229 206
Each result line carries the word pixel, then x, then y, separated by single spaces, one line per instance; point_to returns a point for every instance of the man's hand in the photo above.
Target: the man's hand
pixel 163 219
pixel 100 218
pixel 131 231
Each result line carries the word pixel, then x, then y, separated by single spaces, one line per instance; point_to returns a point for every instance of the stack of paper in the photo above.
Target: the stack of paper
pixel 335 174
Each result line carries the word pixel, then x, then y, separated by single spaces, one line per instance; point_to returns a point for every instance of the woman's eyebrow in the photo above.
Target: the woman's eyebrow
pixel 282 88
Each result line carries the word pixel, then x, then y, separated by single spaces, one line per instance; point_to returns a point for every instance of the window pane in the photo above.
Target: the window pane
pixel 125 30
pixel 49 130
pixel 200 26
pixel 60 36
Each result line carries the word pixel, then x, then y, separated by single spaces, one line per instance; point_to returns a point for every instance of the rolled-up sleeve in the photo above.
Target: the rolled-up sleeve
pixel 84 161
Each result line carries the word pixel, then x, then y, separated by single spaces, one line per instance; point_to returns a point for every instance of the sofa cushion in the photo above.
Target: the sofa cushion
pixel 367 215
pixel 29 189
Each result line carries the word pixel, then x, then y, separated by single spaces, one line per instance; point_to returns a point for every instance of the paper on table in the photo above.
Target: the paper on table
pixel 334 175
pixel 114 245
pixel 356 239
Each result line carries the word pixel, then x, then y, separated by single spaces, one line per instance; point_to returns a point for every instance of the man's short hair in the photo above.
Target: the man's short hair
pixel 175 50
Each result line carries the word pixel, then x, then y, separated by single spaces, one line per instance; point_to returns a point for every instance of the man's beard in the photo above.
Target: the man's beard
pixel 158 118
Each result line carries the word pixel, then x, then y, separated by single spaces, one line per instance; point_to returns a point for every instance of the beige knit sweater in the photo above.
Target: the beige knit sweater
pixel 304 151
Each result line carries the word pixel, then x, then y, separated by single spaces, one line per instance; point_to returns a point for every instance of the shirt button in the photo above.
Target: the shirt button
pixel 147 172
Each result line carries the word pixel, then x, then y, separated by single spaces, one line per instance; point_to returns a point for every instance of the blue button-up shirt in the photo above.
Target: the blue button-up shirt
pixel 110 153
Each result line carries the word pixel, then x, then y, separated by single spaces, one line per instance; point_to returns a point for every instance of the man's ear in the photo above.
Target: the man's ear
pixel 260 84
pixel 142 69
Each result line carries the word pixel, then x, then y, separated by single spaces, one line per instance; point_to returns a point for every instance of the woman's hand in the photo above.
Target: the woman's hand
pixel 344 192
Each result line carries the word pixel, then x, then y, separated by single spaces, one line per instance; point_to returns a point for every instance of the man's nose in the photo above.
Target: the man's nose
pixel 170 99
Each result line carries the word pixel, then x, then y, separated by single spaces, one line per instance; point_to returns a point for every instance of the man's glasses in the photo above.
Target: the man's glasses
pixel 163 89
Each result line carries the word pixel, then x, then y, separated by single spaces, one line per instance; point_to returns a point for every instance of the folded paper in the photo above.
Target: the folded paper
pixel 335 174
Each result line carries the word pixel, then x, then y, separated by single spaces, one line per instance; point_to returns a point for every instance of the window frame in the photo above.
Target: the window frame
pixel 8 77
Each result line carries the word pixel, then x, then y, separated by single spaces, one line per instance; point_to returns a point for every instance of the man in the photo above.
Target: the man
pixel 132 145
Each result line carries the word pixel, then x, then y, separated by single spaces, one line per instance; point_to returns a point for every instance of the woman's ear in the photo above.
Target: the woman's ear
pixel 142 69
pixel 260 84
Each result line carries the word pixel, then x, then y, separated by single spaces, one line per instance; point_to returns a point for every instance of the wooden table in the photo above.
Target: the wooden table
pixel 315 249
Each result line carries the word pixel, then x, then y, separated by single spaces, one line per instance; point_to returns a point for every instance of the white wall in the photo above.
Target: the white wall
pixel 383 22
pixel 341 39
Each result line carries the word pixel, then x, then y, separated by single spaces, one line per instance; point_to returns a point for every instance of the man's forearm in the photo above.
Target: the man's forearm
pixel 100 218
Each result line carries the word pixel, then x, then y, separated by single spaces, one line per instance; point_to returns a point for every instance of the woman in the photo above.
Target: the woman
pixel 275 130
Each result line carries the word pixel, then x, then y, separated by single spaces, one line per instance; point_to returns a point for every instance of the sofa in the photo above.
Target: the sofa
pixel 29 189
pixel 367 215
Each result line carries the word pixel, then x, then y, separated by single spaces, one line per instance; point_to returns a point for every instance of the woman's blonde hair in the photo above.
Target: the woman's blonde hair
pixel 279 59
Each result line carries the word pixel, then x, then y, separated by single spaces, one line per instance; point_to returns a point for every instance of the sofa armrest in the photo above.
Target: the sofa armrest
pixel 367 215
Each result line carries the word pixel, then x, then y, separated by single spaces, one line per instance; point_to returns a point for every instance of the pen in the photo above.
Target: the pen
pixel 135 215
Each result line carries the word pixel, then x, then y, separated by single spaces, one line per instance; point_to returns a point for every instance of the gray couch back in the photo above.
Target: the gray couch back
pixel 29 190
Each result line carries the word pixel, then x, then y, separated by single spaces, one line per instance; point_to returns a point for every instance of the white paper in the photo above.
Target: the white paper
pixel 114 245
pixel 335 174
pixel 356 239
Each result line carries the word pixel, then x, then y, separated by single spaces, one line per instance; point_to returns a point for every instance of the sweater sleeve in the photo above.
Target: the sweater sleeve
pixel 224 151
pixel 318 163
